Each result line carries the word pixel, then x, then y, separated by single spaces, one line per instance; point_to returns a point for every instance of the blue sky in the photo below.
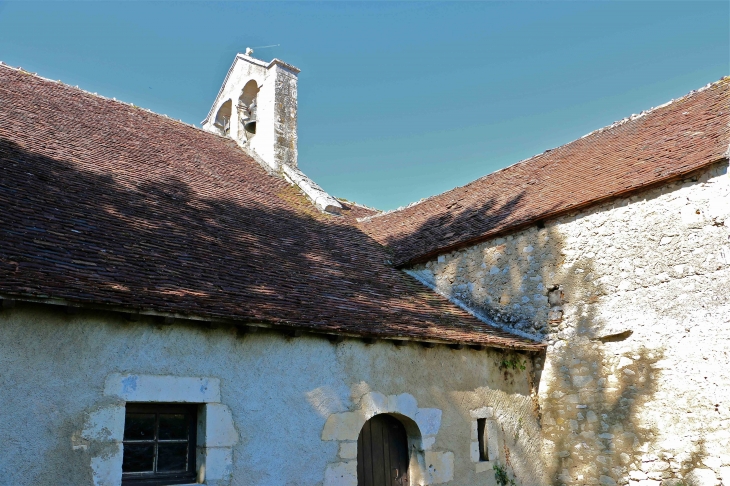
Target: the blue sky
pixel 397 101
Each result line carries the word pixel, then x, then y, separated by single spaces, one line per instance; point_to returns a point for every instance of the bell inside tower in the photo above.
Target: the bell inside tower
pixel 247 110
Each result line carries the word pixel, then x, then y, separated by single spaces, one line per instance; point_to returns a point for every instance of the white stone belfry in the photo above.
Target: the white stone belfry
pixel 257 107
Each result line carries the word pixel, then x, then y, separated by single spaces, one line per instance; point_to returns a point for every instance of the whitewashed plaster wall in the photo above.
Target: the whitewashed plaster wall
pixel 635 388
pixel 278 400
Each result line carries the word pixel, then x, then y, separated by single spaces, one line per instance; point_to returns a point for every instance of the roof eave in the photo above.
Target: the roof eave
pixel 423 257
pixel 234 321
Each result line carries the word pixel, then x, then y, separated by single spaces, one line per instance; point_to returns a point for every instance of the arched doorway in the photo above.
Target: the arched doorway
pixel 382 453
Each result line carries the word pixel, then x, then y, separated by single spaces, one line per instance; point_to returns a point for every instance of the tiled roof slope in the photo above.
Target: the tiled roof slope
pixel 662 144
pixel 105 203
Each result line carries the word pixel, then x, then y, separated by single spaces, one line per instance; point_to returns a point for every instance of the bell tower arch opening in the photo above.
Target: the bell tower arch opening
pixel 223 118
pixel 247 109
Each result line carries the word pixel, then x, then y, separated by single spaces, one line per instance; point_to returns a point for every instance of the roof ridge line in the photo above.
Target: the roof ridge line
pixel 353 203
pixel 615 124
pixel 106 98
pixel 636 116
pixel 220 90
pixel 422 200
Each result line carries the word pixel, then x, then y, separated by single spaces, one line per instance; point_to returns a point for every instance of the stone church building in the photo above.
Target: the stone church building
pixel 185 306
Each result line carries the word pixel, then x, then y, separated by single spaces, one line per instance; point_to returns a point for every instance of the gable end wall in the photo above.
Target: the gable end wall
pixel 632 298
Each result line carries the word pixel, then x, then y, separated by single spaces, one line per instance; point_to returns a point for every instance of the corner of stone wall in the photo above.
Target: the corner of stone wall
pixel 631 298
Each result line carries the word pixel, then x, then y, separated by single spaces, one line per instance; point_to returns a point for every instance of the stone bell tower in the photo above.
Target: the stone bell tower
pixel 257 107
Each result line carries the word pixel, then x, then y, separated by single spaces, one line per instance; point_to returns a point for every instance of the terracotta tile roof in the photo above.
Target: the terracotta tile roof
pixel 105 203
pixel 662 144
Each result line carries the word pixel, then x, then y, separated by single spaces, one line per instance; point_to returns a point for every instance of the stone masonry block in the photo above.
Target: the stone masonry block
pixel 428 420
pixel 483 412
pixel 487 467
pixel 218 462
pixel 404 404
pixel 343 426
pixel 348 450
pixel 219 428
pixel 439 467
pixel 373 403
pixel 152 388
pixel 702 477
pixel 725 475
pixel 474 452
pixel 106 468
pixel 493 436
pixel 428 442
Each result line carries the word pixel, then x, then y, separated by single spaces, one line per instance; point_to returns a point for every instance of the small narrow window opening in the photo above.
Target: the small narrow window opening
pixel 482 435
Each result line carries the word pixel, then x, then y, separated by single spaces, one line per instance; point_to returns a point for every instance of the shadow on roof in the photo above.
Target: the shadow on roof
pixel 84 234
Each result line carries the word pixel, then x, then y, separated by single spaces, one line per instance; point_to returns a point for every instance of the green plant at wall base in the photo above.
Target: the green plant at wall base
pixel 500 474
pixel 514 364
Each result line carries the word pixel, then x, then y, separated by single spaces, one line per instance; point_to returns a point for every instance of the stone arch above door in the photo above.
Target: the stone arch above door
pixel 422 426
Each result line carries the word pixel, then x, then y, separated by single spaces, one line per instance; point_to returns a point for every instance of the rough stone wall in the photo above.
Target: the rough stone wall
pixel 632 297
pixel 296 404
pixel 285 117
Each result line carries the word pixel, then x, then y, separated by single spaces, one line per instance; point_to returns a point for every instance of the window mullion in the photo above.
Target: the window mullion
pixel 157 435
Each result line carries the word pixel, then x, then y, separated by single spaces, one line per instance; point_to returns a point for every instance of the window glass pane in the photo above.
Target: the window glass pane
pixel 139 426
pixel 138 458
pixel 173 426
pixel 172 457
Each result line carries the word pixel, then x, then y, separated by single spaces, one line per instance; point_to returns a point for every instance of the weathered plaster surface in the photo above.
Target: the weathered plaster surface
pixel 66 377
pixel 632 297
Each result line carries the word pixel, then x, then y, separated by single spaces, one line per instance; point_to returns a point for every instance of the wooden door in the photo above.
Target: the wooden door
pixel 382 453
